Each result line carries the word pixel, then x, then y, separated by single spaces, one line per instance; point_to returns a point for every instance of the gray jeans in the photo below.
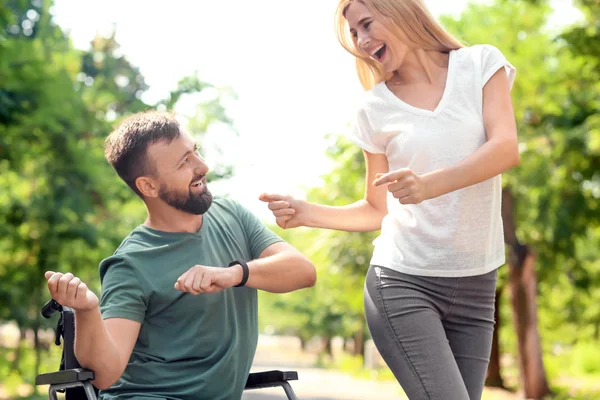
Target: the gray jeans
pixel 435 334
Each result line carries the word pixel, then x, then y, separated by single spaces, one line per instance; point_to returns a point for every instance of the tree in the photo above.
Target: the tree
pixel 110 84
pixel 548 201
pixel 348 253
pixel 334 307
pixel 209 112
pixel 39 172
pixel 61 205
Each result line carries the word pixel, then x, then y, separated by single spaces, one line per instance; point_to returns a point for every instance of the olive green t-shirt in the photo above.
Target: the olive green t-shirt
pixel 189 347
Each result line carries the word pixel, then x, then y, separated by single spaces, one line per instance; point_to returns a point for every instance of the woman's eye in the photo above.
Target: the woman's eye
pixel 367 25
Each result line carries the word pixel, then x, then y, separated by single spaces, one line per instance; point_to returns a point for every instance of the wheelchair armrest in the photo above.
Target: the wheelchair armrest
pixel 266 379
pixel 66 376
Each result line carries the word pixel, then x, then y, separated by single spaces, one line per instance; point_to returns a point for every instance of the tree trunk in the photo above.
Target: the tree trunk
pixel 328 349
pixel 37 347
pixel 494 378
pixel 523 285
pixel 16 364
pixel 302 343
pixel 349 345
pixel 359 341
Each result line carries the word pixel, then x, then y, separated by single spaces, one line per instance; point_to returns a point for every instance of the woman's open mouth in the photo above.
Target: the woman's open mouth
pixel 379 52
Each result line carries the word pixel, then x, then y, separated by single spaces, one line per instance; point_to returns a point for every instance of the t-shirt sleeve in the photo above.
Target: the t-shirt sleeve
pixel 258 235
pixel 361 133
pixel 492 60
pixel 122 295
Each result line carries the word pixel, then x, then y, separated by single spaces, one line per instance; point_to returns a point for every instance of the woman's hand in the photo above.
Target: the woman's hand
pixel 288 212
pixel 405 185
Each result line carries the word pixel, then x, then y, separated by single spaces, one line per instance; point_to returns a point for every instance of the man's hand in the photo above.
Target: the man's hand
pixel 70 291
pixel 203 279
pixel 405 185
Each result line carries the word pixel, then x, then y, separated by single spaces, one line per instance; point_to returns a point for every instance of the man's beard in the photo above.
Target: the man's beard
pixel 192 203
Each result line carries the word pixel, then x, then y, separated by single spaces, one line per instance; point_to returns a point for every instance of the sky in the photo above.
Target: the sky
pixel 294 82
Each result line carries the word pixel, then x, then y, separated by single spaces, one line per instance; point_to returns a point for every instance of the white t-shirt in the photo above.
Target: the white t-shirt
pixel 459 233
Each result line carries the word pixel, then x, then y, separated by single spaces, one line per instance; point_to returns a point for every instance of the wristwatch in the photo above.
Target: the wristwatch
pixel 244 269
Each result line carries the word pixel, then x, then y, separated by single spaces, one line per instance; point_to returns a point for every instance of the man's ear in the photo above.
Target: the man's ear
pixel 147 186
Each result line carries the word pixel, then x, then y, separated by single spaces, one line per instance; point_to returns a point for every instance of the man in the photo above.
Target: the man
pixel 177 316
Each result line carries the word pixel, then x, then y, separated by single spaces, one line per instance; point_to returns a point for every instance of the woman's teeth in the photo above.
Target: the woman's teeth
pixel 378 52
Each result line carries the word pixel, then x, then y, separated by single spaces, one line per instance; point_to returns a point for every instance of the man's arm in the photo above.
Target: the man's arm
pixel 102 346
pixel 280 269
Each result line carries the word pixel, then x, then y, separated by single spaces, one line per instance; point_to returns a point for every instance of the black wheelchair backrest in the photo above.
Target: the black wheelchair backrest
pixel 65 330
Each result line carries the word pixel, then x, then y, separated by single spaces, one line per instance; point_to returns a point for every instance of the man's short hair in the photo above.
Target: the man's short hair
pixel 126 148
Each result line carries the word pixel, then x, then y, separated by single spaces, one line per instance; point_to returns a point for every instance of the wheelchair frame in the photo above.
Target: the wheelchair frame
pixel 75 381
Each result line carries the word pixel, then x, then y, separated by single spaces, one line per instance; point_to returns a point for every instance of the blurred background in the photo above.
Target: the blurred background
pixel 268 92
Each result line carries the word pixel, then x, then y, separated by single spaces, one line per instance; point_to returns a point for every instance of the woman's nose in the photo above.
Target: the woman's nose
pixel 363 41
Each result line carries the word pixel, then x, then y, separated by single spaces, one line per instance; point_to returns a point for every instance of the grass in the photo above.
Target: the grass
pixel 353 365
pixel 20 384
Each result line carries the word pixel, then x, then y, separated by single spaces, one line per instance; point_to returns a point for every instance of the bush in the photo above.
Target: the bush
pixel 586 357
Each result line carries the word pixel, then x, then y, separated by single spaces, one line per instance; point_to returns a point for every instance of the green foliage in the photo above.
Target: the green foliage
pixel 109 83
pixel 586 356
pixel 556 98
pixel 62 207
pixel 209 112
pixel 335 305
pixel 52 170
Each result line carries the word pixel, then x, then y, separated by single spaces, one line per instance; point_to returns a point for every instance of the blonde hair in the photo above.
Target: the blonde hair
pixel 410 20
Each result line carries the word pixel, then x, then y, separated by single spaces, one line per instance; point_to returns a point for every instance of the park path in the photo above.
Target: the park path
pixel 324 384
pixel 313 383
pixel 284 353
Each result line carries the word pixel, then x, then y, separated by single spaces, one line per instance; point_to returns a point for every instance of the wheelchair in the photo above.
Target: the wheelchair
pixel 75 381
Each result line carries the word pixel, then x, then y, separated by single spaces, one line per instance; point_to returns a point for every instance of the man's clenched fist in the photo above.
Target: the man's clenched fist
pixel 69 291
pixel 203 279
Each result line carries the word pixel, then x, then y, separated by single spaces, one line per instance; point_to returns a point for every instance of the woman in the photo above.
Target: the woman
pixel 437 129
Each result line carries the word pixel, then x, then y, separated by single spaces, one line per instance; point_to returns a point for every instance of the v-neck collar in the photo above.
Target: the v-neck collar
pixel 422 111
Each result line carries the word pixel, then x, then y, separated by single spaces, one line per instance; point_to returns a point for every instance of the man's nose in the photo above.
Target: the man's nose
pixel 200 167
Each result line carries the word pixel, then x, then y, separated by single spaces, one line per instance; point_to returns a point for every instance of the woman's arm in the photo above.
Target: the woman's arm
pixel 361 216
pixel 499 154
